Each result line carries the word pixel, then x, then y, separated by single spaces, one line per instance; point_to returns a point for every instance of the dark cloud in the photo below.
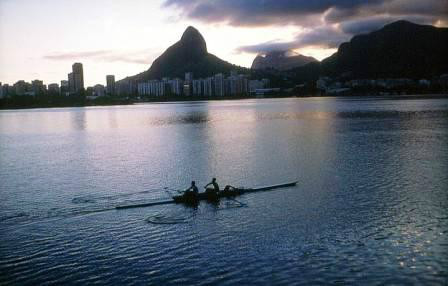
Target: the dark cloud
pixel 393 9
pixel 331 36
pixel 138 57
pixel 259 12
pixel 327 23
pixel 355 27
pixel 323 36
pixel 267 47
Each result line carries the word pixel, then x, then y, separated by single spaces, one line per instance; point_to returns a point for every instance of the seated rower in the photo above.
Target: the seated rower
pixel 229 191
pixel 192 191
pixel 214 189
pixel 229 188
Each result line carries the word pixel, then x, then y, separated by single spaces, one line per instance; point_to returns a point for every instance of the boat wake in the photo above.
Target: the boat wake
pixel 163 218
pixel 231 203
pixel 89 199
pixel 91 204
pixel 79 206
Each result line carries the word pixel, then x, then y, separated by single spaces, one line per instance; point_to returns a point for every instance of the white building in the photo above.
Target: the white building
pixel 176 86
pixel 219 85
pixel 197 87
pixel 110 84
pixel 99 90
pixel 208 86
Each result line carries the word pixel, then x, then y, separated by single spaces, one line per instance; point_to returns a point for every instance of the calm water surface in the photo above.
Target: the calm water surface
pixel 371 206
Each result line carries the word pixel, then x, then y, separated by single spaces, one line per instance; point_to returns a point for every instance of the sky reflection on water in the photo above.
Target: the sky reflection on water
pixel 370 207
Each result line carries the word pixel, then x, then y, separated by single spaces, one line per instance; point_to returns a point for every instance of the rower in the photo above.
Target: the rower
pixel 229 191
pixel 229 188
pixel 215 188
pixel 192 191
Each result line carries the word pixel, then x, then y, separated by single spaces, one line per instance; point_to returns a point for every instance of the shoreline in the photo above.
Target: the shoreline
pixel 197 99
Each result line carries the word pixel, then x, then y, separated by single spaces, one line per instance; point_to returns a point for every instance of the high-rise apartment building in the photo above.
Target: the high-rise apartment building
pixel 110 84
pixel 219 85
pixel 78 77
pixel 37 87
pixel 53 88
pixel 71 83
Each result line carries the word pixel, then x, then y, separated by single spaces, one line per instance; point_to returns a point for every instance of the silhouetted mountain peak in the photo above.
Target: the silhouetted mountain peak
pixel 399 49
pixel 281 60
pixel 401 23
pixel 189 54
pixel 192 39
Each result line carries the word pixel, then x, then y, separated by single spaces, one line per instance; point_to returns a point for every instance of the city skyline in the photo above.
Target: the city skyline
pixel 41 40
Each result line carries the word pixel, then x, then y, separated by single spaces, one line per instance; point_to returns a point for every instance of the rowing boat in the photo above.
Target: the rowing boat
pixel 209 196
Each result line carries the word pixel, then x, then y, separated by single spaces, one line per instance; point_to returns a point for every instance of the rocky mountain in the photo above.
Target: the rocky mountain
pixel 399 49
pixel 189 54
pixel 280 60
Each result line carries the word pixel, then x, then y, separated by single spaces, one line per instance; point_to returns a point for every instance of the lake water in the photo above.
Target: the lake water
pixel 371 205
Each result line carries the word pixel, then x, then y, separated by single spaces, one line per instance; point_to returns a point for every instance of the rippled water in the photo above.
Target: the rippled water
pixel 371 206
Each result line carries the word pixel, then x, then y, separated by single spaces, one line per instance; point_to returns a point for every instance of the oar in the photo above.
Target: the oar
pixel 173 190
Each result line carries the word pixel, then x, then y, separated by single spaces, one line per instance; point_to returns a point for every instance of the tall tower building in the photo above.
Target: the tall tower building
pixel 219 85
pixel 110 81
pixel 78 77
pixel 71 83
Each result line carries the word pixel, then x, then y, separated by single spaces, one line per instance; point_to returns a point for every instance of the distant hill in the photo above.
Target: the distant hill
pixel 280 60
pixel 187 55
pixel 399 49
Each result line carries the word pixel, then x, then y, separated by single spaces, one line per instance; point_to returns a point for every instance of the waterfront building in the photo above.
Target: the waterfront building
pixel 78 77
pixel 141 88
pixel 126 87
pixel 155 88
pixel 22 88
pixel 53 88
pixel 187 89
pixel 37 87
pixel 99 90
pixel 64 87
pixel 197 87
pixel 176 86
pixel 110 83
pixel 71 83
pixel 233 84
pixel 5 90
pixel 226 86
pixel 208 86
pixel 219 85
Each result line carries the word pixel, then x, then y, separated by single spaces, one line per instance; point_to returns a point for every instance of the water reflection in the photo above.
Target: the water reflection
pixel 370 206
pixel 112 116
pixel 78 119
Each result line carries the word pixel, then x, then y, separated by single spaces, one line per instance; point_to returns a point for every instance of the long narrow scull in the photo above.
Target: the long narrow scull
pixel 204 196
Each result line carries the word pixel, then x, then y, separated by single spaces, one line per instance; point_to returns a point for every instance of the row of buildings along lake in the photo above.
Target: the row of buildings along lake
pixel 218 85
pixel 73 85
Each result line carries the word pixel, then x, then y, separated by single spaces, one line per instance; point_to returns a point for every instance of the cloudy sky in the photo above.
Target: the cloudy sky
pixel 40 39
